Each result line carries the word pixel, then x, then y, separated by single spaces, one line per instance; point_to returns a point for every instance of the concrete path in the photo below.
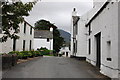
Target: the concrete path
pixel 53 67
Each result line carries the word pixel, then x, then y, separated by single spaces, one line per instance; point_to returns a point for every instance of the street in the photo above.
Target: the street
pixel 53 67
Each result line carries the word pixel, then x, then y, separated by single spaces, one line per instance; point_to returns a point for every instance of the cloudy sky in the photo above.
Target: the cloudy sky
pixel 58 12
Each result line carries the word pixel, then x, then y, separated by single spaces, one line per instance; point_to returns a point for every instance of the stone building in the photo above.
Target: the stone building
pixel 43 38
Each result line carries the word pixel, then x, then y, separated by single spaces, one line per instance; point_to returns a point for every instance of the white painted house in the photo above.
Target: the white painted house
pixel 65 51
pixel 99 39
pixel 24 43
pixel 43 38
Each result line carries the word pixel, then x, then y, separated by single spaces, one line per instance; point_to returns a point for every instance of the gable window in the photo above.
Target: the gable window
pixel 23 45
pixel 48 39
pixel 24 27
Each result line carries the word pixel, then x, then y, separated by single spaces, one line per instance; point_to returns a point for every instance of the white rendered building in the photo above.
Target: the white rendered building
pixel 65 51
pixel 98 37
pixel 44 39
pixel 24 43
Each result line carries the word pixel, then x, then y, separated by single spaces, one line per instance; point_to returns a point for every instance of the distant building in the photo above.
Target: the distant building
pixel 43 38
pixel 65 51
pixel 98 37
pixel 24 43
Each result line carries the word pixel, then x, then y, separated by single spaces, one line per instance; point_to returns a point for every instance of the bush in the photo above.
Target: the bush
pixel 33 53
pixel 14 52
pixel 37 53
pixel 45 52
pixel 20 55
pixel 24 54
pixel 30 54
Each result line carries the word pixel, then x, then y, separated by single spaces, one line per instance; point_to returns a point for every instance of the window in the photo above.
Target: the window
pixel 23 45
pixel 14 44
pixel 24 27
pixel 89 26
pixel 30 44
pixel 89 46
pixel 76 47
pixel 76 28
pixel 48 40
pixel 109 51
pixel 31 30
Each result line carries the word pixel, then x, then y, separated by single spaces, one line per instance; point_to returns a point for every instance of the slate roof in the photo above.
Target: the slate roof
pixel 43 34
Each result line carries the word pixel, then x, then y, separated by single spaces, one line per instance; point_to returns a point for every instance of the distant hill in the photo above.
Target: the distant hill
pixel 65 35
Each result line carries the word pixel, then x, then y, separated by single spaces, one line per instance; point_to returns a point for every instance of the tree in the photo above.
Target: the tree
pixel 12 16
pixel 44 25
pixel 58 41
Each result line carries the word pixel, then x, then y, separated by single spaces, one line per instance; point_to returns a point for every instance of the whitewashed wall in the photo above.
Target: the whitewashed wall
pixel 64 50
pixel 25 36
pixel 8 45
pixel 41 42
pixel 82 37
pixel 119 38
pixel 106 23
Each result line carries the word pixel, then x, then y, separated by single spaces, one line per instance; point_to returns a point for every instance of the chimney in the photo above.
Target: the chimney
pixel 51 29
pixel 74 13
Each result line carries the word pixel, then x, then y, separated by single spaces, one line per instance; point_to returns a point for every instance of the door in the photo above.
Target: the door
pixel 98 49
pixel 66 54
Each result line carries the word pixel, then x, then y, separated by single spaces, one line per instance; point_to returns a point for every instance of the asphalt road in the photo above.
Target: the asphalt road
pixel 53 67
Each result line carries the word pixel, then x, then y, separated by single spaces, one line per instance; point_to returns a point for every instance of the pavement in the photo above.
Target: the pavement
pixel 54 67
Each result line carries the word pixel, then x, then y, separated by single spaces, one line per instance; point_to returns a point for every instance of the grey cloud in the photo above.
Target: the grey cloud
pixel 57 12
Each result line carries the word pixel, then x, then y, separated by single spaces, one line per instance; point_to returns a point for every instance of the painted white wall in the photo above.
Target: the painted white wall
pixel 8 45
pixel 64 50
pixel 25 36
pixel 82 37
pixel 42 42
pixel 119 38
pixel 106 23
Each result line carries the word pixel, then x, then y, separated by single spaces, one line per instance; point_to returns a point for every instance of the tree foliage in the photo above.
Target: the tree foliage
pixel 44 25
pixel 58 41
pixel 12 16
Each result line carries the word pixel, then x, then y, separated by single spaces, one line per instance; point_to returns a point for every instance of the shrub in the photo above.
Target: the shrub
pixel 25 54
pixel 14 52
pixel 37 53
pixel 30 54
pixel 45 52
pixel 20 55
pixel 33 53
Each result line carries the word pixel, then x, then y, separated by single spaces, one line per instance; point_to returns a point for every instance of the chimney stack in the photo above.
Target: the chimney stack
pixel 51 29
pixel 74 13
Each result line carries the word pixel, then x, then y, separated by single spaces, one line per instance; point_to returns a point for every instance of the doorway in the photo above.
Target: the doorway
pixel 98 49
pixel 66 54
